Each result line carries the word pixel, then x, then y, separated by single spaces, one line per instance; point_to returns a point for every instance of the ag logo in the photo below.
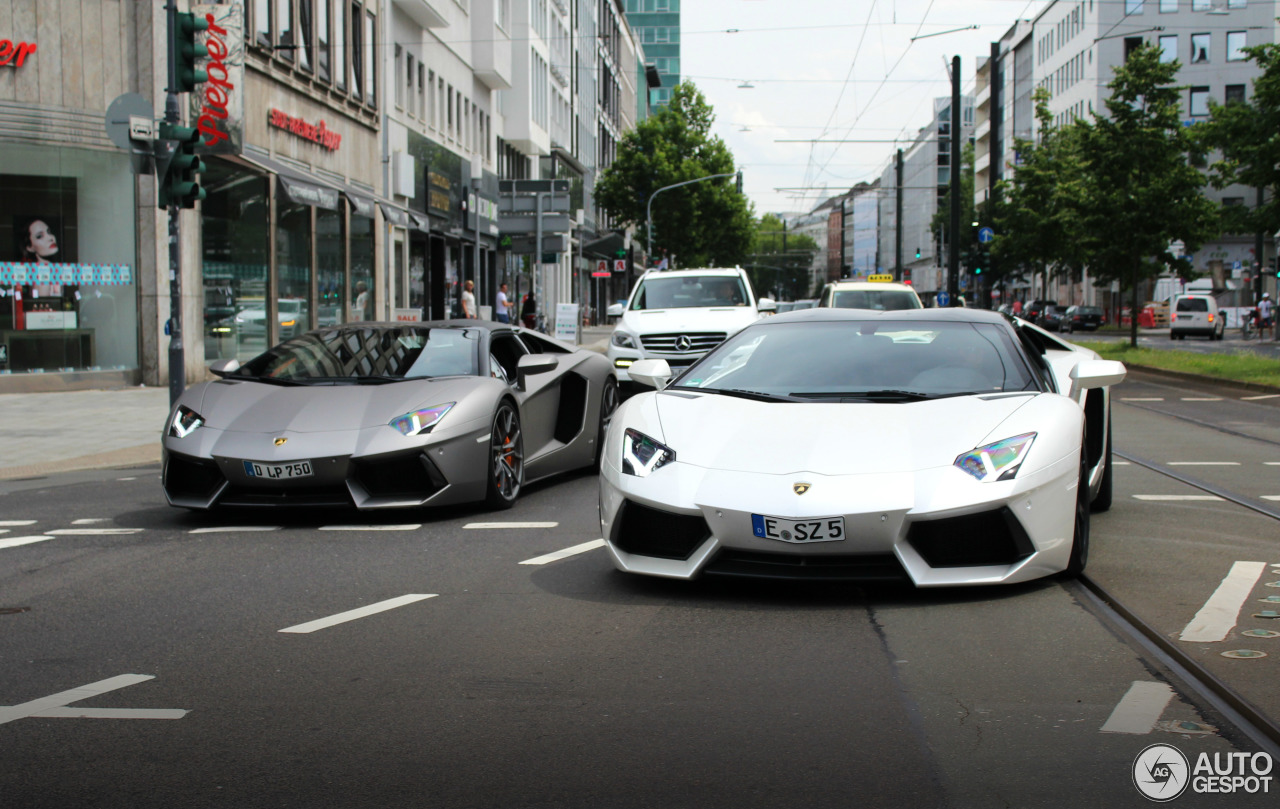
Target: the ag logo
pixel 281 441
pixel 1161 772
pixel 800 488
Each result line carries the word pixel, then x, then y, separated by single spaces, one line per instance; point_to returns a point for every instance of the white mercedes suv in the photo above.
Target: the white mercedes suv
pixel 679 315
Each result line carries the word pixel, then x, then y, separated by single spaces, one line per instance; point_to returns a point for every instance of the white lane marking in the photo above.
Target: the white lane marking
pixel 566 553
pixel 359 612
pixel 1202 398
pixel 227 529
pixel 511 525
pixel 407 527
pixel 112 713
pixel 1120 463
pixel 126 478
pixel 90 521
pixel 54 705
pixel 1221 612
pixel 1176 497
pixel 1204 463
pixel 1271 463
pixel 17 523
pixel 1140 709
pixel 1256 398
pixel 1271 497
pixel 1141 399
pixel 92 532
pixel 13 542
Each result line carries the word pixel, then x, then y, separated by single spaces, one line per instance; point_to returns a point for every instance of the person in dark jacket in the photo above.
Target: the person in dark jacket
pixel 529 311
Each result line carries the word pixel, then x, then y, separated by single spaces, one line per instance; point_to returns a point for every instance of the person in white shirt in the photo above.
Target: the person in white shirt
pixel 504 304
pixel 469 300
pixel 1266 311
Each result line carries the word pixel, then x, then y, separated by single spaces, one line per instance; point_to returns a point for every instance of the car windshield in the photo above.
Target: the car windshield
pixel 357 355
pixel 688 291
pixel 864 361
pixel 880 299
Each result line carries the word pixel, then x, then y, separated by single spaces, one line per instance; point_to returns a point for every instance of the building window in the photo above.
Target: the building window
pixel 410 76
pixel 1199 101
pixel 1199 48
pixel 1132 7
pixel 370 61
pixel 1236 42
pixel 1233 94
pixel 399 71
pixel 357 52
pixel 1169 48
pixel 340 46
pixel 1233 202
pixel 286 36
pixel 323 37
pixel 1168 6
pixel 1201 5
pixel 504 15
pixel 306 25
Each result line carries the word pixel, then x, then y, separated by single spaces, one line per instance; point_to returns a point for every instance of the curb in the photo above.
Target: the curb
pixel 140 455
pixel 1208 380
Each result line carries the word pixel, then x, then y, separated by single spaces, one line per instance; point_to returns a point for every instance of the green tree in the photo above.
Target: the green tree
pixel 1037 213
pixel 1140 191
pixel 703 224
pixel 780 259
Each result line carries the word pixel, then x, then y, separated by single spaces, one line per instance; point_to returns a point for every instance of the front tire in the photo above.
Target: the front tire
pixel 1080 529
pixel 506 458
pixel 1102 502
pixel 608 403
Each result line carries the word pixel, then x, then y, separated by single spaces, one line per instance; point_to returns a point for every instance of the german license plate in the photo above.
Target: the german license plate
pixel 278 471
pixel 800 532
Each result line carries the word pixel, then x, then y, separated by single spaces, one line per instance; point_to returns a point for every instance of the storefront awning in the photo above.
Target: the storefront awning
pixel 394 215
pixel 361 205
pixel 305 192
pixel 419 222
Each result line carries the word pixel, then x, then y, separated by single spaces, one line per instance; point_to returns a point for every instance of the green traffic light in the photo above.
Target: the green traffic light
pixel 977 271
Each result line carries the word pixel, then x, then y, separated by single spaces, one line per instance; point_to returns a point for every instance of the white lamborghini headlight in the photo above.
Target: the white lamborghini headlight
pixel 185 421
pixel 997 461
pixel 421 421
pixel 623 340
pixel 641 455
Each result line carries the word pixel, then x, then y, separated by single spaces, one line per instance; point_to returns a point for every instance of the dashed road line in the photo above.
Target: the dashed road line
pixel 1256 398
pixel 92 532
pixel 1222 611
pixel 1142 398
pixel 1176 497
pixel 407 527
pixel 566 553
pixel 14 542
pixel 1140 708
pixel 16 523
pixel 511 525
pixel 90 521
pixel 360 612
pixel 1204 463
pixel 1271 497
pixel 1202 398
pixel 229 529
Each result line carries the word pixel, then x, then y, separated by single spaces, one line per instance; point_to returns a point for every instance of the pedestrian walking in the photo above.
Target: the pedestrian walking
pixel 469 300
pixel 1266 314
pixel 504 304
pixel 529 311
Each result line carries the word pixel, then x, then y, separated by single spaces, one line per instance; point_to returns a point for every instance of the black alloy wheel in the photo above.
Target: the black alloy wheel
pixel 1080 529
pixel 608 403
pixel 506 458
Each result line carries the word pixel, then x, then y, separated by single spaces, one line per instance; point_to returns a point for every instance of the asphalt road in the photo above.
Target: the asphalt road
pixel 494 677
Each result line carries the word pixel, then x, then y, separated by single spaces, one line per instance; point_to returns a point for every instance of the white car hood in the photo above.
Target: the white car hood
pixel 741 435
pixel 728 319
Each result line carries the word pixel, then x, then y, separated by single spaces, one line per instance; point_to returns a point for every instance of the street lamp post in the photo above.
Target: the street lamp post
pixel 648 208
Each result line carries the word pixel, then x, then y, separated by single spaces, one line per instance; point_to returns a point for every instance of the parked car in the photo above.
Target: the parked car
pixel 1031 311
pixel 1083 318
pixel 1196 315
pixel 1052 318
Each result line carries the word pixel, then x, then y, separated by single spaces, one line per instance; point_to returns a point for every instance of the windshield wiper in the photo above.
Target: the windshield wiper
pixel 754 395
pixel 869 395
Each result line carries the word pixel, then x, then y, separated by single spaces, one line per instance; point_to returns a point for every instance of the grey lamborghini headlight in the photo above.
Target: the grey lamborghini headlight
pixel 641 455
pixel 623 340
pixel 185 421
pixel 999 460
pixel 421 421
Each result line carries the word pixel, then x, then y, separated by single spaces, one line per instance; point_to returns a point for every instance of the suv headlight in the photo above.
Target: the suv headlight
pixel 185 421
pixel 623 340
pixel 641 455
pixel 421 421
pixel 999 460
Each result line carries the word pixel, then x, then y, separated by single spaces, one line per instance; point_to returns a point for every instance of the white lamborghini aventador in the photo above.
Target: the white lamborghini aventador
pixel 939 447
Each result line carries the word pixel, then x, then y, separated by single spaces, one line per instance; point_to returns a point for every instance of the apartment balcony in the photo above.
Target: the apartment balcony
pixel 982 98
pixel 427 13
pixel 490 48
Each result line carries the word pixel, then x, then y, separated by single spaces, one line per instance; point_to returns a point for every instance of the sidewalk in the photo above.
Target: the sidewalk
pixel 46 433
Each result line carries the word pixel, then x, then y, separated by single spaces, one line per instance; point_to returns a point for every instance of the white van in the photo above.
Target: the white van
pixel 1196 314
pixel 680 315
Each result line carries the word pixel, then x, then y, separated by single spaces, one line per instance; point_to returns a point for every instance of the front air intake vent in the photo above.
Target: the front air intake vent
pixel 647 531
pixel 988 538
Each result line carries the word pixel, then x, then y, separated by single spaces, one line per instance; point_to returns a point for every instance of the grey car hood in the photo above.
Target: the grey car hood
pixel 259 407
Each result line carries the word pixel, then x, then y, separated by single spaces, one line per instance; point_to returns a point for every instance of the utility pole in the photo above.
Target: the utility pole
pixel 897 231
pixel 648 208
pixel 953 254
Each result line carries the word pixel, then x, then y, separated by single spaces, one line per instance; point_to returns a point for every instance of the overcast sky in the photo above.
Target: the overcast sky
pixel 831 69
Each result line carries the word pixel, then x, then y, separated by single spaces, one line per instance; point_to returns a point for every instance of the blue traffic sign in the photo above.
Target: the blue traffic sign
pixel 986 235
pixel 942 298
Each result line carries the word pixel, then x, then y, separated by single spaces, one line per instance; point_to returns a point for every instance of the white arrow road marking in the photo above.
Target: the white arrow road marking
pixel 13 542
pixel 1140 708
pixel 54 706
pixel 1221 612
pixel 511 525
pixel 361 612
pixel 227 529
pixel 566 553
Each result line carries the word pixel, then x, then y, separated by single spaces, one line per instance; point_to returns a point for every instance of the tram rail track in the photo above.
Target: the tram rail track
pixel 1264 730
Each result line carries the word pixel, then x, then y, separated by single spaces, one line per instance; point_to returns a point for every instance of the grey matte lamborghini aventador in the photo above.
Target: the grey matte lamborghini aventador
pixel 384 415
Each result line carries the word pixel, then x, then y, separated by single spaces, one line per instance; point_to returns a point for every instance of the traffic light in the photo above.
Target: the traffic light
pixel 977 271
pixel 917 252
pixel 739 182
pixel 180 184
pixel 186 52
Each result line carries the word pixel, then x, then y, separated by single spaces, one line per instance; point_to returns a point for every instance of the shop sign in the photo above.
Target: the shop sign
pixel 18 272
pixel 218 106
pixel 316 133
pixel 439 194
pixel 15 53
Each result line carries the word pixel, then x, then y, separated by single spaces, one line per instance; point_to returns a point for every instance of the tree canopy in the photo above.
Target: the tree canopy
pixel 701 224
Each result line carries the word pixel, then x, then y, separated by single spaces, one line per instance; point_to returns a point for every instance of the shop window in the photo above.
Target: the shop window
pixel 362 304
pixel 330 270
pixel 68 294
pixel 293 269
pixel 234 233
